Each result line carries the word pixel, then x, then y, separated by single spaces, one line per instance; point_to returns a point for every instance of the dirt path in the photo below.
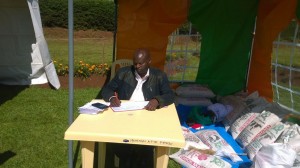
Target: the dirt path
pixel 63 33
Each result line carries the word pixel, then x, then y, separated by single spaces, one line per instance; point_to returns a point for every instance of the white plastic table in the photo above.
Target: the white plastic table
pixel 160 128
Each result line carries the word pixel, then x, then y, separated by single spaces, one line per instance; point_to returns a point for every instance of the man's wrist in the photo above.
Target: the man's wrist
pixel 111 98
pixel 156 101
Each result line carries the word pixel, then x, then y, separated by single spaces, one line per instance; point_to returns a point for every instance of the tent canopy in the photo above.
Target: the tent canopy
pixel 25 58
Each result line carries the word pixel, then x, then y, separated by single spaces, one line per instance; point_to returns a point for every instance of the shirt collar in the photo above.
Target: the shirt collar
pixel 138 77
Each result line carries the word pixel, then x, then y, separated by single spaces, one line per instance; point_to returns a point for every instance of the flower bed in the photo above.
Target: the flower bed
pixel 81 69
pixel 85 75
pixel 94 81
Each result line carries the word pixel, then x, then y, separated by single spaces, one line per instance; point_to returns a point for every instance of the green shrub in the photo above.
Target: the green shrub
pixel 92 14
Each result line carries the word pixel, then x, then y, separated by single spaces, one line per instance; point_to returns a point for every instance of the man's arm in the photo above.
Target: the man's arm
pixel 167 95
pixel 123 84
pixel 110 89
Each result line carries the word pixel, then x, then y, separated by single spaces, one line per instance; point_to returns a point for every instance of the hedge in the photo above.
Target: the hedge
pixel 88 14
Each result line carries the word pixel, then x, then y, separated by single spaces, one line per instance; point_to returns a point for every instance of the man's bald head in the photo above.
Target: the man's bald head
pixel 141 61
pixel 142 53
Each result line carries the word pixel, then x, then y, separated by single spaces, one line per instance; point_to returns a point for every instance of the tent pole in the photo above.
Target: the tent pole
pixel 115 30
pixel 71 75
pixel 250 57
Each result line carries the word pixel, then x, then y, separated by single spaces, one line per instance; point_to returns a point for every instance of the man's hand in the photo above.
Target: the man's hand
pixel 115 102
pixel 152 105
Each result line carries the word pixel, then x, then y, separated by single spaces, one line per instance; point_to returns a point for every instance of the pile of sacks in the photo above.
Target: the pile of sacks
pixel 257 126
pixel 205 149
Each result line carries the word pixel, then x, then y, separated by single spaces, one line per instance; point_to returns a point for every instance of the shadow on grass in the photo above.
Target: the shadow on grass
pixel 8 92
pixel 109 156
pixel 75 158
pixel 5 156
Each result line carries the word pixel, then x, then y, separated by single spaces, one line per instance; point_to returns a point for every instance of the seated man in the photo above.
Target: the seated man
pixel 138 82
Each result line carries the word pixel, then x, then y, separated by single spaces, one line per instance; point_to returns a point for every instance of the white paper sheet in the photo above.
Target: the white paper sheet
pixel 130 105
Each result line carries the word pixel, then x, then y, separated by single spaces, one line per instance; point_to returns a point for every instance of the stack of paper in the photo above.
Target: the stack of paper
pixel 89 109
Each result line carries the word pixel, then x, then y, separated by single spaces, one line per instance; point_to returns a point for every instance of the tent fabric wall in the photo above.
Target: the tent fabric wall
pixel 48 65
pixel 227 29
pixel 273 17
pixel 147 24
pixel 227 37
pixel 24 52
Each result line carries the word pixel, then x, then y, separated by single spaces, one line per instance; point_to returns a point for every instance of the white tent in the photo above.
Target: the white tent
pixel 24 54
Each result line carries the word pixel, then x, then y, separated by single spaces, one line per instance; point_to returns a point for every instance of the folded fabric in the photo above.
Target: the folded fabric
pixel 220 110
pixel 194 90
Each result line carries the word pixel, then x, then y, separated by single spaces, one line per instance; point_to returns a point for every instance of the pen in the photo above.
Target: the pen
pixel 116 95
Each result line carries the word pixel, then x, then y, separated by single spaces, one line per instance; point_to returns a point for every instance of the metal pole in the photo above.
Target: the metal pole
pixel 115 30
pixel 250 56
pixel 71 75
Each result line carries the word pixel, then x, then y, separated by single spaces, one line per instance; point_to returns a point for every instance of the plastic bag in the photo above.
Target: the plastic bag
pixel 276 155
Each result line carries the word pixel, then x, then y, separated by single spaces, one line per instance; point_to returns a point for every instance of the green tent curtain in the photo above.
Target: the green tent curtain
pixel 227 31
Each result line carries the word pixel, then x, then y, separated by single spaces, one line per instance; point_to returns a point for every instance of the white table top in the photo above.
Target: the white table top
pixel 158 128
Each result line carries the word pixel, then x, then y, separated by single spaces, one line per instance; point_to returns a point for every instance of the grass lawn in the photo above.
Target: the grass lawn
pixel 93 47
pixel 33 123
pixel 89 50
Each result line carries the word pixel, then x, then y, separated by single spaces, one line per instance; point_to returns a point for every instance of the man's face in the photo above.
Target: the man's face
pixel 141 64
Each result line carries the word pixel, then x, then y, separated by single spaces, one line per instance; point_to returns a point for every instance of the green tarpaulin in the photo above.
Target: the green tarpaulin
pixel 227 30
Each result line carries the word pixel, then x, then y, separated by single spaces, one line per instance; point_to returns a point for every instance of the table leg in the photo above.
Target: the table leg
pixel 87 152
pixel 162 157
pixel 101 154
